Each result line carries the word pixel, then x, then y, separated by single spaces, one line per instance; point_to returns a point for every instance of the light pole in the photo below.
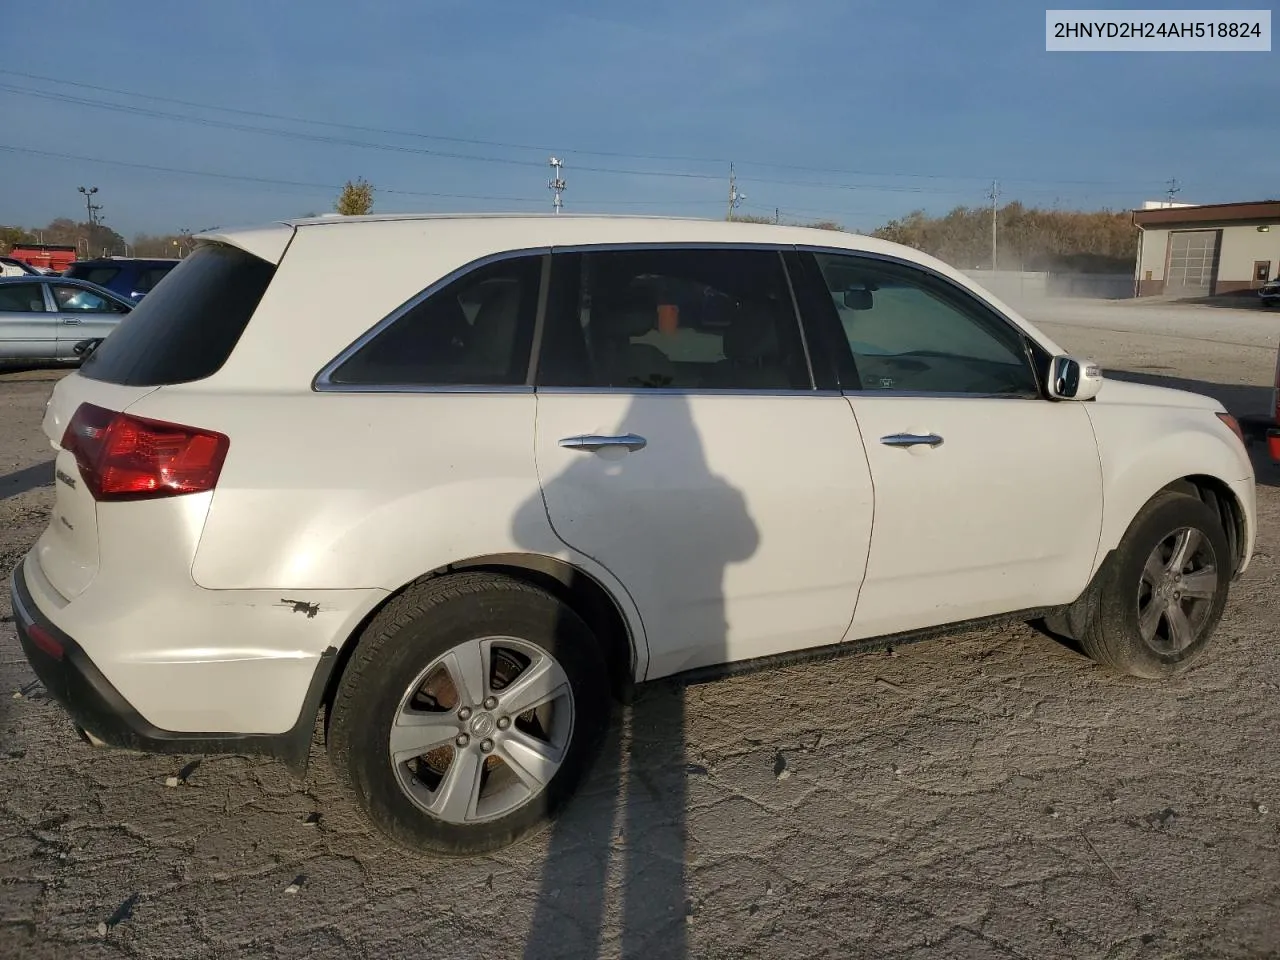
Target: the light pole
pixel 90 205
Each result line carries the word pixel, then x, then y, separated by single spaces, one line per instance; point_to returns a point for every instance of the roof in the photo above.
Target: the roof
pixel 1254 211
pixel 500 230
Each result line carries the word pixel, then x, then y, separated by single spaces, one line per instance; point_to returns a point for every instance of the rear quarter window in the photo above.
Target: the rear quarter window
pixel 188 326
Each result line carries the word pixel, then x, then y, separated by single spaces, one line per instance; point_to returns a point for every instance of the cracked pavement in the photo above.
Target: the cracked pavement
pixel 986 795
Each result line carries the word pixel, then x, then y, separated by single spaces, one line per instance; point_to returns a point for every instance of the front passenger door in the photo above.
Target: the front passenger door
pixel 988 497
pixel 83 314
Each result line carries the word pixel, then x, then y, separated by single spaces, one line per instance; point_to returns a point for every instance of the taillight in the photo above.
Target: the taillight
pixel 123 457
pixel 1234 424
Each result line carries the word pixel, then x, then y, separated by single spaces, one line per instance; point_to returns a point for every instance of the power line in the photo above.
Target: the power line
pixel 269 181
pixel 157 114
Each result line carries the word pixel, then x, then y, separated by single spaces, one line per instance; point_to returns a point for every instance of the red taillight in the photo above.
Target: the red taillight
pixel 123 457
pixel 1273 445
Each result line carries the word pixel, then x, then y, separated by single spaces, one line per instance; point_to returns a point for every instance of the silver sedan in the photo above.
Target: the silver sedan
pixel 43 318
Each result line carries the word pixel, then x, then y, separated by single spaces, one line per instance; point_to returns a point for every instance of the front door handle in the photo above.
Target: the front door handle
pixel 591 442
pixel 70 319
pixel 911 440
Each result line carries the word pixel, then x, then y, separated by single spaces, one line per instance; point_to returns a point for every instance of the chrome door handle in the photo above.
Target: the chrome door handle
pixel 70 319
pixel 911 439
pixel 591 442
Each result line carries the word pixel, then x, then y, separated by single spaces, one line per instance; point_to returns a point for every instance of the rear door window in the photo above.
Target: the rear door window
pixel 185 329
pixel 691 319
pixel 99 275
pixel 21 298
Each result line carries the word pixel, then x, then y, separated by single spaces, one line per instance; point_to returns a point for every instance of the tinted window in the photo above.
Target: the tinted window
pixel 99 275
pixel 186 329
pixel 692 319
pixel 150 278
pixel 909 331
pixel 476 331
pixel 21 298
pixel 77 300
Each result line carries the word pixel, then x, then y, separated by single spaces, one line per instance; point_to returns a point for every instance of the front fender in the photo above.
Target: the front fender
pixel 1144 450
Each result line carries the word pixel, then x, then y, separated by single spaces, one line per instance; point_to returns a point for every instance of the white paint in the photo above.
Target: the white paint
pixel 747 525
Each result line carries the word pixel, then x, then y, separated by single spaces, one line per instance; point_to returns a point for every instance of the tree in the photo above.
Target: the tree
pixel 356 198
pixel 12 236
pixel 1101 241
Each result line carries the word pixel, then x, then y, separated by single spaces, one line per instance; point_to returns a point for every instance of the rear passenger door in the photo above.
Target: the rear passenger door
pixel 683 444
pixel 28 329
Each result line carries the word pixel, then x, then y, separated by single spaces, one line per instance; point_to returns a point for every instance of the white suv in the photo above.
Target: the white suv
pixel 462 501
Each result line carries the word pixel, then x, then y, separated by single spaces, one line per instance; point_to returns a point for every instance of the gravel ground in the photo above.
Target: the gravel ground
pixel 991 795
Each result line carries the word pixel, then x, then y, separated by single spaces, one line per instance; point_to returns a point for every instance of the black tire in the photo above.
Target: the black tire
pixel 1111 635
pixel 426 621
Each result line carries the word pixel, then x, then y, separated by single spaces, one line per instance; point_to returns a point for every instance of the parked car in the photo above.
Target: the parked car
pixel 13 267
pixel 545 458
pixel 132 277
pixel 1269 293
pixel 42 318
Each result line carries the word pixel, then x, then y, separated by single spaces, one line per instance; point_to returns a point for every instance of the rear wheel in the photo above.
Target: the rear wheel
pixel 1163 591
pixel 468 713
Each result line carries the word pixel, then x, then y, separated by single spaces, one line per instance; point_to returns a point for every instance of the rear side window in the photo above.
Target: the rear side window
pixel 186 328
pixel 477 331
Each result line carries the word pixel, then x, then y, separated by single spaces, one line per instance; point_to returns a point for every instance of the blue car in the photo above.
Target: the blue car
pixel 131 277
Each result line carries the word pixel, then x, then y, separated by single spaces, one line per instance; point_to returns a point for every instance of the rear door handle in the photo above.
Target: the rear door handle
pixel 591 442
pixel 911 440
pixel 70 319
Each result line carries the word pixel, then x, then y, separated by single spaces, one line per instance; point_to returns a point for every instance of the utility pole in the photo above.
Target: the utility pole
pixel 735 197
pixel 995 194
pixel 775 214
pixel 557 184
pixel 1173 189
pixel 92 207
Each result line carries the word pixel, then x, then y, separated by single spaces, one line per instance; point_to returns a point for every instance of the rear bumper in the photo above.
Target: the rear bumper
pixel 99 709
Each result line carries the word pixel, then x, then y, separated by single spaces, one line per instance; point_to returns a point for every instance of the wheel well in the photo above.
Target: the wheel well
pixel 579 591
pixel 1218 496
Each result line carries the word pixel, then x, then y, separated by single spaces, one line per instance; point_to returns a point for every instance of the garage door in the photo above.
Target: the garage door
pixel 1191 257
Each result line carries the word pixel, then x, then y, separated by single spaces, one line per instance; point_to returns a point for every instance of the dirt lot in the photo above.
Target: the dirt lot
pixel 992 795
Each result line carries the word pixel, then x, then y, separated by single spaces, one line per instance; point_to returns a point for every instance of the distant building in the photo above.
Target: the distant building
pixel 1206 249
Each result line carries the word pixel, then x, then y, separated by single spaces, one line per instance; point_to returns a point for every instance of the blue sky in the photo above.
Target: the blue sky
pixel 904 105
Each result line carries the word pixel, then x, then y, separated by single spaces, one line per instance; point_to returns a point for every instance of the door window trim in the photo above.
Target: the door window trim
pixel 952 289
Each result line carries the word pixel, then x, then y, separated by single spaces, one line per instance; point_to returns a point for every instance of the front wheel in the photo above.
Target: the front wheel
pixel 468 713
pixel 1163 591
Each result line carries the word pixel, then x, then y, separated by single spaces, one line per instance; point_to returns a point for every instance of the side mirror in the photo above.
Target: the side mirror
pixel 857 299
pixel 1073 379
